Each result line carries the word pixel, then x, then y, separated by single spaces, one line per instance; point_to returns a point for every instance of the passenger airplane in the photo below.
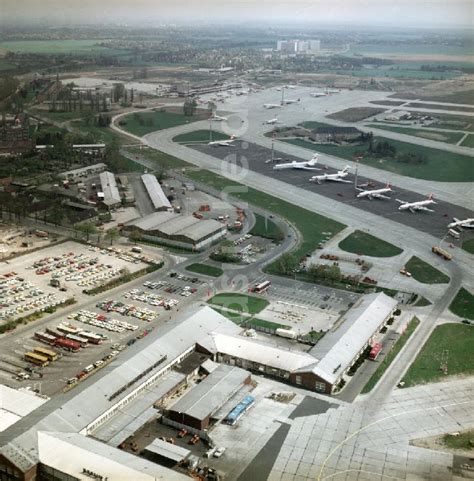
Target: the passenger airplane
pixel 271 106
pixel 272 121
pixel 375 194
pixel 223 143
pixel 318 94
pixel 338 177
pixel 217 118
pixel 466 223
pixel 415 206
pixel 307 165
pixel 289 102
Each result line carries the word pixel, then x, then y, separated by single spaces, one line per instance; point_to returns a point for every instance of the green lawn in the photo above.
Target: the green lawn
pixel 424 272
pixel 205 269
pixel 239 302
pixel 439 166
pixel 449 341
pixel 265 227
pixel 449 137
pixel 468 246
pixel 468 141
pixel 163 161
pixel 142 123
pixel 273 326
pixel 365 244
pixel 422 302
pixel 236 317
pixel 101 134
pixel 463 304
pixel 464 440
pixel 199 136
pixel 314 228
pixel 62 116
pixel 388 359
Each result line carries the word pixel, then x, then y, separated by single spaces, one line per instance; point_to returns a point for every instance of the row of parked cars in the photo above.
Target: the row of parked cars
pixel 142 313
pixel 99 320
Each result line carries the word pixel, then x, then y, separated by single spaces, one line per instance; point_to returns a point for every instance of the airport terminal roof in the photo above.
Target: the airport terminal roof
pixel 109 188
pixel 209 395
pixel 72 452
pixel 167 450
pixel 338 348
pixel 172 224
pixel 265 354
pixel 155 192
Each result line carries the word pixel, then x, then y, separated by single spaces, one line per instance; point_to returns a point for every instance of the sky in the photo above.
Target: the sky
pixel 396 13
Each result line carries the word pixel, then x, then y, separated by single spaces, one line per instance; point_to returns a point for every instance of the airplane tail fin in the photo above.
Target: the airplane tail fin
pixel 232 137
pixel 431 197
pixel 314 160
pixel 388 186
pixel 345 169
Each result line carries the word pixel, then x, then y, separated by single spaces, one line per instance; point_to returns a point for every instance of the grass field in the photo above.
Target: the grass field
pixel 439 166
pixel 199 136
pixel 422 302
pixel 314 228
pixel 265 227
pixel 468 246
pixel 101 134
pixel 54 46
pixel 239 302
pixel 419 105
pixel 458 340
pixel 449 137
pixel 365 244
pixel 464 440
pixel 468 141
pixel 463 304
pixel 205 269
pixel 163 161
pixel 143 123
pixel 424 272
pixel 388 359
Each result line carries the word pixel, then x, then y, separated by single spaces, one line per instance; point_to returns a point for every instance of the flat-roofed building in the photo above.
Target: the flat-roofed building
pixel 110 190
pixel 196 408
pixel 184 231
pixel 83 171
pixel 155 192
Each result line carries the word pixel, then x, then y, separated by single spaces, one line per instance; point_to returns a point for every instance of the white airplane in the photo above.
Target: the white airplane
pixel 466 223
pixel 272 121
pixel 223 143
pixel 271 106
pixel 318 94
pixel 375 194
pixel 290 101
pixel 217 118
pixel 306 165
pixel 338 177
pixel 416 206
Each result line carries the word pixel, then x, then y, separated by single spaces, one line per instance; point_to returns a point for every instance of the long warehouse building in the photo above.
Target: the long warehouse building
pixel 109 189
pixel 155 192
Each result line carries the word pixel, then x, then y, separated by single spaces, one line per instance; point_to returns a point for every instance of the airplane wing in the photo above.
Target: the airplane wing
pixel 304 167
pixel 340 180
pixel 425 209
pixel 380 196
pixel 400 201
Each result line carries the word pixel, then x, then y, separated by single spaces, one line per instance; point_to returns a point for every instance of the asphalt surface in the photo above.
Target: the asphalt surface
pixel 255 158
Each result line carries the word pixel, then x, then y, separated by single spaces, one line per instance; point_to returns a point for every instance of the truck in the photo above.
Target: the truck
pixel 454 233
pixel 288 333
pixel 442 253
pixel 136 249
pixel 41 233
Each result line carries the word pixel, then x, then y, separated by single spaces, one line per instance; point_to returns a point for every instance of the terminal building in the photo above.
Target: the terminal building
pixel 79 432
pixel 155 192
pixel 185 231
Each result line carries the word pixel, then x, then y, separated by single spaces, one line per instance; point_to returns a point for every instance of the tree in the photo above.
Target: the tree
pixel 112 235
pixel 189 107
pixel 287 263
pixel 87 229
pixel 135 236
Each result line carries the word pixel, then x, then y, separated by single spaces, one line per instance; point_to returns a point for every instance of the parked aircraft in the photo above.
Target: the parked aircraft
pixel 375 194
pixel 290 101
pixel 318 94
pixel 272 121
pixel 416 206
pixel 223 143
pixel 306 165
pixel 338 177
pixel 217 118
pixel 466 223
pixel 271 106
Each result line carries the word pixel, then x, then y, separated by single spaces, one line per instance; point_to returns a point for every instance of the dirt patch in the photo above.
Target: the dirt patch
pixel 355 114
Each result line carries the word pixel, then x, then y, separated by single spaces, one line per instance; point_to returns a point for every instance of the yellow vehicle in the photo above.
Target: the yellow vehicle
pixel 47 353
pixel 37 359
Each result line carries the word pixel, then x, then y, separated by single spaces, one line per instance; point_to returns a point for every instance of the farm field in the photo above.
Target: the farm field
pixel 439 165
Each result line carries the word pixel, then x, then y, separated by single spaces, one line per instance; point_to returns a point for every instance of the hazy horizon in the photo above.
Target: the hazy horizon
pixel 377 13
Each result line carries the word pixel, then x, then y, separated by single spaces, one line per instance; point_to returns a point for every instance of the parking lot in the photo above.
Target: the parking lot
pixel 26 283
pixel 102 329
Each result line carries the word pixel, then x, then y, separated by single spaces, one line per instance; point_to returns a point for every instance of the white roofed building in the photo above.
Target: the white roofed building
pixel 155 192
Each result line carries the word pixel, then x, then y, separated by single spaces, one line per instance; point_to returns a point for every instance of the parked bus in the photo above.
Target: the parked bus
pixel 45 337
pixel 37 359
pixel 47 353
pixel 262 287
pixel 67 344
pixel 240 410
pixel 375 350
pixel 91 337
pixel 81 340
